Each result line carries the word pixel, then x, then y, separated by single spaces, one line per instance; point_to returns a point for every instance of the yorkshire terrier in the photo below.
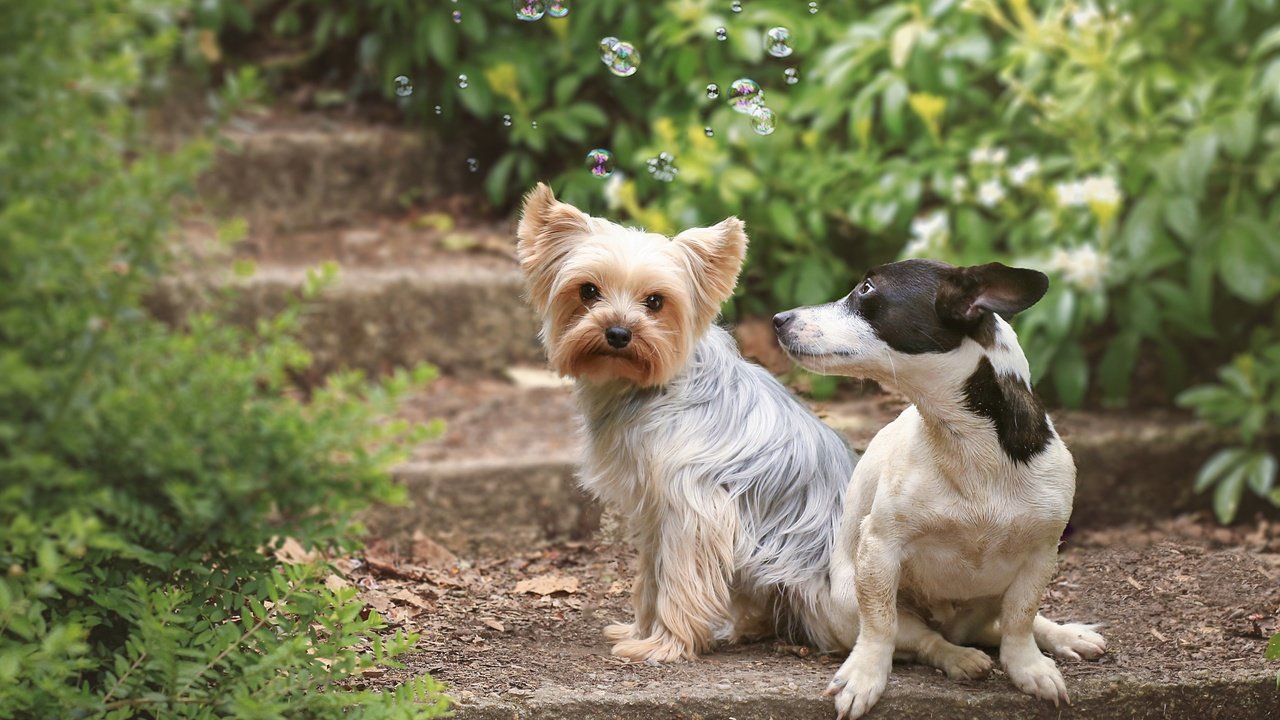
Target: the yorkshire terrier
pixel 731 487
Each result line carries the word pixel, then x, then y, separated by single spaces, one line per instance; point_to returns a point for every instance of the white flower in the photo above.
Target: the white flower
pixel 1069 194
pixel 990 193
pixel 1022 173
pixel 959 186
pixel 613 190
pixel 1101 189
pixel 988 156
pixel 1085 16
pixel 1084 267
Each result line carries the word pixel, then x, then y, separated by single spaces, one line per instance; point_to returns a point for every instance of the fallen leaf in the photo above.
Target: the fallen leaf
pixel 430 553
pixel 335 583
pixel 292 552
pixel 548 584
pixel 408 596
pixel 617 587
pixel 373 672
pixel 493 623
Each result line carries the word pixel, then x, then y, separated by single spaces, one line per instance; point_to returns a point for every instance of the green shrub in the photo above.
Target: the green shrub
pixel 1246 399
pixel 1155 139
pixel 146 474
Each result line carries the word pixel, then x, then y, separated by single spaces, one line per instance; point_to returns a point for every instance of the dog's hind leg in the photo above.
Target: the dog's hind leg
pixel 1070 641
pixel 917 641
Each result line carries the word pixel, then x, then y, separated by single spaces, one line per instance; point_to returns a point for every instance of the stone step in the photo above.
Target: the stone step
pixel 1186 622
pixel 502 476
pixel 404 295
pixel 300 172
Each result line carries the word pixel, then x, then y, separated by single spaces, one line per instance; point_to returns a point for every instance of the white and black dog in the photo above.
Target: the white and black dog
pixel 953 516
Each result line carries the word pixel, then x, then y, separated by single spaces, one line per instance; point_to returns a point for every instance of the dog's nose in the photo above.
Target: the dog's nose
pixel 618 337
pixel 782 319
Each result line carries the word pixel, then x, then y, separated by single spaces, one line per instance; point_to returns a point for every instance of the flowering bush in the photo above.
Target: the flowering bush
pixel 1132 152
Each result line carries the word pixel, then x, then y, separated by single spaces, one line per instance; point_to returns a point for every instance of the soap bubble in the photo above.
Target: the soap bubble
pixel 745 95
pixel 763 121
pixel 558 8
pixel 777 40
pixel 722 34
pixel 462 82
pixel 813 8
pixel 506 120
pixel 457 16
pixel 404 88
pixel 529 10
pixel 473 164
pixel 626 60
pixel 792 76
pixel 600 162
pixel 663 168
pixel 606 49
pixel 713 91
pixel 736 6
pixel 709 131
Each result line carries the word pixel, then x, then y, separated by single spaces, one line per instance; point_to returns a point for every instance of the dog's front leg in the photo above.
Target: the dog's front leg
pixel 644 591
pixel 691 570
pixel 861 680
pixel 1030 671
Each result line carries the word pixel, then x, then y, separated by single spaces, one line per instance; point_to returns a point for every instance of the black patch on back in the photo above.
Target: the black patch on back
pixel 1016 412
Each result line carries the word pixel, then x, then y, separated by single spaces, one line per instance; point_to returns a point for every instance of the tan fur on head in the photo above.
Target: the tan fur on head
pixel 561 249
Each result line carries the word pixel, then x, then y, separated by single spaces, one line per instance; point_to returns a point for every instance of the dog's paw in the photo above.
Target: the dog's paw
pixel 964 663
pixel 1073 641
pixel 856 691
pixel 1038 676
pixel 658 648
pixel 617 632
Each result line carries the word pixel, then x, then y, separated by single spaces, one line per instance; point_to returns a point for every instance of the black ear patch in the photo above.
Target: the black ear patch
pixel 1020 421
pixel 967 294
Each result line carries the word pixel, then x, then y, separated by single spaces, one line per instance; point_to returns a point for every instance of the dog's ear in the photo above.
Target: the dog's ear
pixel 714 257
pixel 967 293
pixel 547 232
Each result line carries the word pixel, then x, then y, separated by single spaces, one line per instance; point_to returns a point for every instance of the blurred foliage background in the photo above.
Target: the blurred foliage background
pixel 1131 150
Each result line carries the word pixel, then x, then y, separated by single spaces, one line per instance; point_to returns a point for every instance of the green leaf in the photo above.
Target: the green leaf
pixel 1226 498
pixel 1217 466
pixel 1262 473
pixel 1244 262
pixel 895 99
pixel 1115 370
pixel 1237 132
pixel 1141 228
pixel 815 282
pixel 1070 375
pixel 1195 160
pixel 1273 647
pixel 1183 217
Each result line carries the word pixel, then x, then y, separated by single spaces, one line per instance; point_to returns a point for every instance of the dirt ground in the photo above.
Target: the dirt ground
pixel 1180 596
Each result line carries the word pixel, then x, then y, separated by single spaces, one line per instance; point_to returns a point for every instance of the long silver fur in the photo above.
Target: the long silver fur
pixel 726 431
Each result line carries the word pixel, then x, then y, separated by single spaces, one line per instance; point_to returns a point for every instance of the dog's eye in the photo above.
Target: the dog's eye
pixel 588 292
pixel 653 302
pixel 866 288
